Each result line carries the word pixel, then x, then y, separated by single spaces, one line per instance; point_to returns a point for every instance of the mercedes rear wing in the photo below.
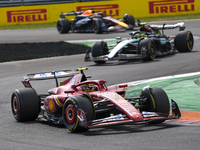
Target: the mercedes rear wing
pixel 164 26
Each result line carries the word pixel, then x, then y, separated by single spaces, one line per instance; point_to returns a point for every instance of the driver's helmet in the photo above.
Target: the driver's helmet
pixel 88 87
pixel 88 12
pixel 138 35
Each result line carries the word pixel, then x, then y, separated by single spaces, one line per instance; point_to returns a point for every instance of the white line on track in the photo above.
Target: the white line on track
pixel 162 78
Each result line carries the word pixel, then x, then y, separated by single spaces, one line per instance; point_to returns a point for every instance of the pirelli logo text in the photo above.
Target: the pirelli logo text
pixel 171 6
pixel 33 15
pixel 111 9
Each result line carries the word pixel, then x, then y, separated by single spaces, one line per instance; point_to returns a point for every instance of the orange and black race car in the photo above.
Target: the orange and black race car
pixel 91 21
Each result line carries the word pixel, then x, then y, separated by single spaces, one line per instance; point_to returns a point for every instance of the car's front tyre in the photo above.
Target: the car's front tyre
pixel 149 46
pixel 156 100
pixel 129 19
pixel 73 106
pixel 63 25
pixel 99 48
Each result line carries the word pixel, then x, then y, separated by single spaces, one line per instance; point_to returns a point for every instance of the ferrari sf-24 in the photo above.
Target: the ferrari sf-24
pixel 81 104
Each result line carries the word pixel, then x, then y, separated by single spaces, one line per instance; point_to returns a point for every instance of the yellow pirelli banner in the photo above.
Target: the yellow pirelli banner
pixel 138 8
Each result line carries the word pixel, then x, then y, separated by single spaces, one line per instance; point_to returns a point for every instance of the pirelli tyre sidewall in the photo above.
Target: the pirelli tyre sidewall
pixel 63 25
pixel 70 113
pixel 184 41
pixel 157 101
pixel 99 48
pixel 150 47
pixel 25 104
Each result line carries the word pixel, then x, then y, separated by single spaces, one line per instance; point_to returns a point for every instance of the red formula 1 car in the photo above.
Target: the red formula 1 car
pixel 82 104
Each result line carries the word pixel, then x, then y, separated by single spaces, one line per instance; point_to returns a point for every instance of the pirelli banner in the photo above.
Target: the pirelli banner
pixel 143 8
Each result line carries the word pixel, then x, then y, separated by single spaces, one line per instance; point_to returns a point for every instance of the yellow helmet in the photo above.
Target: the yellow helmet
pixel 88 87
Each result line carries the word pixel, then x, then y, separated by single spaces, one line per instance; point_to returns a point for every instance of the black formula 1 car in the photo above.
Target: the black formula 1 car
pixel 146 44
pixel 82 104
pixel 90 21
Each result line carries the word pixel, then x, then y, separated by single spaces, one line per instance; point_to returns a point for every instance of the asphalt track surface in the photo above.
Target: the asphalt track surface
pixel 46 136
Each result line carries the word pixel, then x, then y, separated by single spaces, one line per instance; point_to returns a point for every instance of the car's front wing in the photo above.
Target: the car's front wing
pixel 148 117
pixel 88 57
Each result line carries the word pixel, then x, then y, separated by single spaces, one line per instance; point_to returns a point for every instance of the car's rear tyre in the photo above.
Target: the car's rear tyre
pixel 99 48
pixel 157 101
pixel 63 25
pixel 25 104
pixel 184 41
pixel 70 113
pixel 149 46
pixel 129 19
pixel 97 25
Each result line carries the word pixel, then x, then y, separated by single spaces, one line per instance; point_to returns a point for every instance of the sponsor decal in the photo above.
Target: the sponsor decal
pixel 73 80
pixel 43 75
pixel 163 41
pixel 32 15
pixel 114 118
pixel 171 6
pixel 96 98
pixel 72 101
pixel 26 83
pixel 121 101
pixel 110 9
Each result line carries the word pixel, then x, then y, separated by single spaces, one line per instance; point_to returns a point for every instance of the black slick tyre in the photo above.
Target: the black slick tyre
pixel 97 26
pixel 184 41
pixel 149 46
pixel 63 25
pixel 157 101
pixel 129 19
pixel 25 104
pixel 71 116
pixel 99 48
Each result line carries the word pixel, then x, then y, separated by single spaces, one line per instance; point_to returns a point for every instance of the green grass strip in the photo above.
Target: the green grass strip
pixel 183 90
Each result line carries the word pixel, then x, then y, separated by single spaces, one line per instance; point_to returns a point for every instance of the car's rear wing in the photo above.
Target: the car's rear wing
pixel 179 25
pixel 51 75
pixel 164 26
pixel 47 75
pixel 70 13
